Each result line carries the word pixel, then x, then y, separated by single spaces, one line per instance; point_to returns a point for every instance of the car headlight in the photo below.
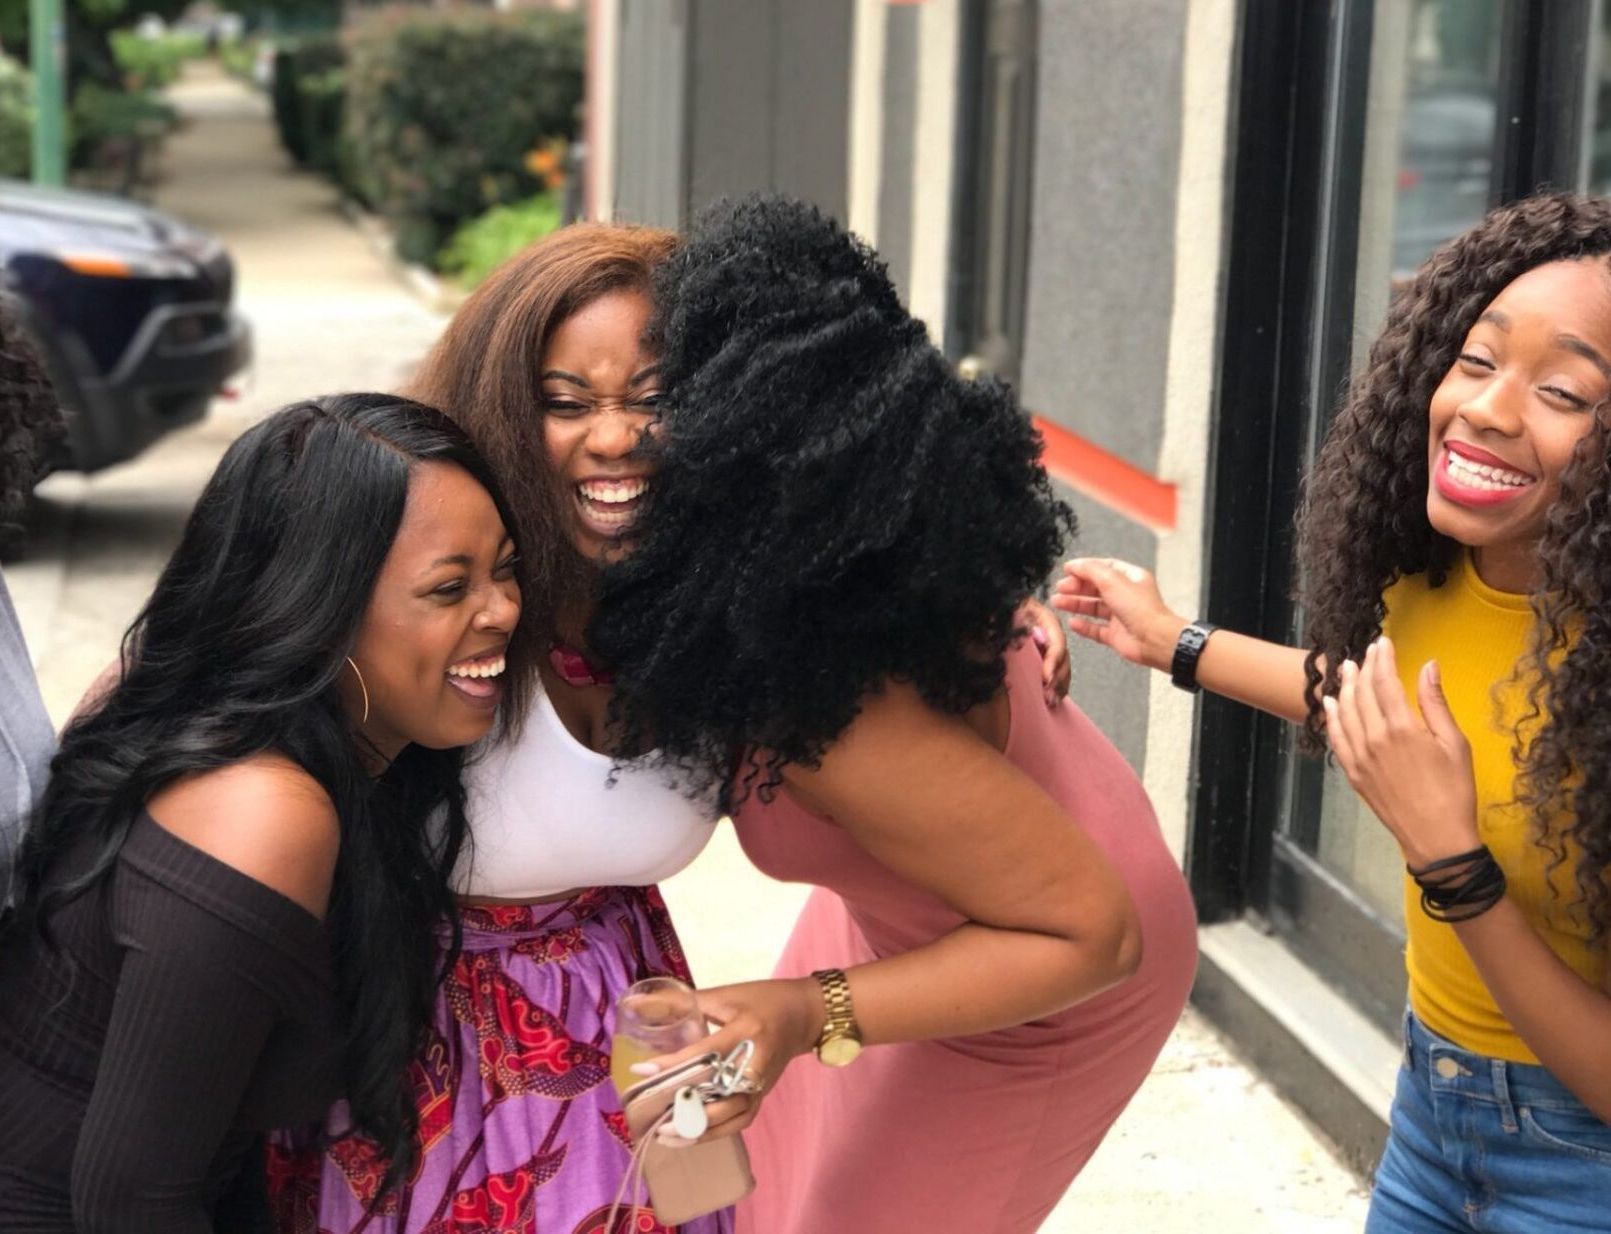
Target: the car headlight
pixel 127 266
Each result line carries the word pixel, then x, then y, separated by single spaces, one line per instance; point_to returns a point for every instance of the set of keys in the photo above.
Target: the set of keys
pixel 688 1116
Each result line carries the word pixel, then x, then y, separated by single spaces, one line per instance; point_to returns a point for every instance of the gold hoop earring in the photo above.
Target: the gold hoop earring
pixel 362 687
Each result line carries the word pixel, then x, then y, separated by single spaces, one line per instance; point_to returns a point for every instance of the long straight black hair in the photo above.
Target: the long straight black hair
pixel 238 652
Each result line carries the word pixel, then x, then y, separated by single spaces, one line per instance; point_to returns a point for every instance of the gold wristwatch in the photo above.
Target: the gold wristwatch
pixel 840 1042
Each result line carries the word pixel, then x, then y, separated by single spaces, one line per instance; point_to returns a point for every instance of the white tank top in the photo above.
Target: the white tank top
pixel 545 819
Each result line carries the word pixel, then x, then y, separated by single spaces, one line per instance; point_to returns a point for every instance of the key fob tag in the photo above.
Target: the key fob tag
pixel 688 1115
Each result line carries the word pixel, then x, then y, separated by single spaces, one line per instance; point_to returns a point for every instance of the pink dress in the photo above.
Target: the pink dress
pixel 980 1134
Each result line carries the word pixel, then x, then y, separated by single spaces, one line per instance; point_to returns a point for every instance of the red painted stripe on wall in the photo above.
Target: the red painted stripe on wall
pixel 1103 476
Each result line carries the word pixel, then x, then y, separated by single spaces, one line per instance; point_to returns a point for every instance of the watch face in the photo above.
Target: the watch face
pixel 839 1051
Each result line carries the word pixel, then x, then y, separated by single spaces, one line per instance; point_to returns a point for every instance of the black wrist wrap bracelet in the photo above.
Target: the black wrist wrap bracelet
pixel 1188 650
pixel 1461 887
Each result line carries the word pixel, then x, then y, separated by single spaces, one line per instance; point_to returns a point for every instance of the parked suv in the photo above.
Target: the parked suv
pixel 130 310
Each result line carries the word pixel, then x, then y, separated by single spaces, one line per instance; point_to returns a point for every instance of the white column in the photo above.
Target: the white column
pixel 1207 75
pixel 866 139
pixel 934 160
pixel 603 63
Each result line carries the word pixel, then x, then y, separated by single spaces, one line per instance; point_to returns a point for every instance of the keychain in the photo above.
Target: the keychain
pixel 688 1117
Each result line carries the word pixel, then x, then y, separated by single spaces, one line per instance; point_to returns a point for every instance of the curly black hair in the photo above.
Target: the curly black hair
pixel 1364 525
pixel 835 508
pixel 31 425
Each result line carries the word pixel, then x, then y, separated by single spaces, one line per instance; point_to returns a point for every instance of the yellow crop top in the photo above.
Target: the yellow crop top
pixel 1477 635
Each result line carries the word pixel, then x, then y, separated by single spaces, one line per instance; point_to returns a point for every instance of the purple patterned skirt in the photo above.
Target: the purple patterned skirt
pixel 521 1131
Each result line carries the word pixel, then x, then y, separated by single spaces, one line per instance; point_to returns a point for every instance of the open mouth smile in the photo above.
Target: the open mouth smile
pixel 609 506
pixel 477 678
pixel 1472 477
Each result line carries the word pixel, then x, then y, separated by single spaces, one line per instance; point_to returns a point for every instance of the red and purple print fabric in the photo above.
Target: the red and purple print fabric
pixel 521 1131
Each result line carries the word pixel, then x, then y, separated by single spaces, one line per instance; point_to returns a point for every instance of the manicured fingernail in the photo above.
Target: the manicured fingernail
pixel 644 1069
pixel 1039 635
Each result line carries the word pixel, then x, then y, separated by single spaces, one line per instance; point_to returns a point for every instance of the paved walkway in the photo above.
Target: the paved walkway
pixel 1206 1145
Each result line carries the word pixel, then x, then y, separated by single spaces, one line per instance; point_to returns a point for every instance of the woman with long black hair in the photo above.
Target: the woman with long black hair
pixel 228 893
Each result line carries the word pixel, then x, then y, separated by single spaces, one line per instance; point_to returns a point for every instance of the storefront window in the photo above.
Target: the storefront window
pixel 1428 175
pixel 1599 152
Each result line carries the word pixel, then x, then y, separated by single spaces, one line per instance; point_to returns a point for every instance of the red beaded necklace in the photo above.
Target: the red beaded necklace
pixel 575 669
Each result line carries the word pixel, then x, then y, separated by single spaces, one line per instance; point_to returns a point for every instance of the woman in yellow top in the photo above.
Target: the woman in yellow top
pixel 1455 546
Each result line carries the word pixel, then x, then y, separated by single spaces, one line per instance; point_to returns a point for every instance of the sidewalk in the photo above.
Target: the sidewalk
pixel 1206 1145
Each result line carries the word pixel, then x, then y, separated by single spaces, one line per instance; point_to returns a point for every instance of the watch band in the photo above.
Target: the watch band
pixel 1188 649
pixel 840 1041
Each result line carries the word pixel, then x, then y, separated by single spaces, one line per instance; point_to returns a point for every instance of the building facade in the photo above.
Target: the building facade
pixel 1175 225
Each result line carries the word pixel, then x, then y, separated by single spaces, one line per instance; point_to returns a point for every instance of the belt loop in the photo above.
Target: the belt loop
pixel 1409 1040
pixel 1501 1083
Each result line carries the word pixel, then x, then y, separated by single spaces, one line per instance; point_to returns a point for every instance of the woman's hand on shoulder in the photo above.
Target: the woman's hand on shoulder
pixel 264 816
pixel 1047 633
pixel 1118 604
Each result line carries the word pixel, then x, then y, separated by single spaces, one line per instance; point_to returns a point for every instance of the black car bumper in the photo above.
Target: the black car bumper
pixel 173 366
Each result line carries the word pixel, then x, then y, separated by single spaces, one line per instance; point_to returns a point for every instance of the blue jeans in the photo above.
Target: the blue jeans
pixel 1478 1143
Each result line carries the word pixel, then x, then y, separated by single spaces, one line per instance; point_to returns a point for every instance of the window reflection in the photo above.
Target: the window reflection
pixel 1428 174
pixel 1446 135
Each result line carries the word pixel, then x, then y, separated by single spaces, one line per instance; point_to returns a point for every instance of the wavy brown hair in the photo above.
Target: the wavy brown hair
pixel 1364 525
pixel 484 372
pixel 31 425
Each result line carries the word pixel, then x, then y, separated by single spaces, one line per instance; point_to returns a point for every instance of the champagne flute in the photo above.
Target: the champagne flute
pixel 656 1016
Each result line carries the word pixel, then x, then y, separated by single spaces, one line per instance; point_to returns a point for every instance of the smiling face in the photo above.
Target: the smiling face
pixel 1509 412
pixel 600 389
pixel 431 648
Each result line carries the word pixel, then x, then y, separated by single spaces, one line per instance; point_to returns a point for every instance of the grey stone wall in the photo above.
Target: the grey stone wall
pixel 1102 271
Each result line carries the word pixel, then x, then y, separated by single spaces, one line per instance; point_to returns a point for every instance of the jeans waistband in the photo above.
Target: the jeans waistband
pixel 1452 1069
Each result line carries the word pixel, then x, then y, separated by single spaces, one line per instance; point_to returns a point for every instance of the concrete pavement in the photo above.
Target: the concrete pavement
pixel 1205 1145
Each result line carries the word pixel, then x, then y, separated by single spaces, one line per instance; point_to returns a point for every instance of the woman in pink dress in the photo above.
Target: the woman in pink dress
pixel 818 625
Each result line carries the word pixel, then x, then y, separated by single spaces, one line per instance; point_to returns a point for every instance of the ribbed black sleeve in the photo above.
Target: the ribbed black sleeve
pixel 201 1014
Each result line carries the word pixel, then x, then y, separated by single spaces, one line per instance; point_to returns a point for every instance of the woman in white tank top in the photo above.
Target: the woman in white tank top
pixel 519 1126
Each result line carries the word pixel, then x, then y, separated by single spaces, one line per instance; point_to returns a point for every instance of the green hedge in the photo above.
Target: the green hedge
pixel 239 59
pixel 151 64
pixel 307 96
pixel 16 118
pixel 98 115
pixel 444 108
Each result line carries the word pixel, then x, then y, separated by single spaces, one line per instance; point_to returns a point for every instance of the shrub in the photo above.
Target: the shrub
pixel 99 115
pixel 239 58
pixel 152 63
pixel 16 118
pixel 444 108
pixel 483 244
pixel 116 133
pixel 307 94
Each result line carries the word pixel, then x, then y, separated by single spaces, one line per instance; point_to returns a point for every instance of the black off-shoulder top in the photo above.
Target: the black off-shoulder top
pixel 133 1092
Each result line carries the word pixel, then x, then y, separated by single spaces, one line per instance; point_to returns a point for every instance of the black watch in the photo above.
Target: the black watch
pixel 1188 649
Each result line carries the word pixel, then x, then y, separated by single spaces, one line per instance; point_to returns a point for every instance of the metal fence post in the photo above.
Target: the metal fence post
pixel 48 39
